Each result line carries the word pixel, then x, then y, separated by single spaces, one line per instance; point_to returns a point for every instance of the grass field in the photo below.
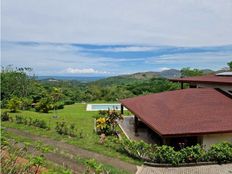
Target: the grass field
pixel 84 122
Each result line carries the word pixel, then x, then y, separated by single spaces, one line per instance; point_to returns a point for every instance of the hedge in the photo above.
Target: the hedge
pixel 220 153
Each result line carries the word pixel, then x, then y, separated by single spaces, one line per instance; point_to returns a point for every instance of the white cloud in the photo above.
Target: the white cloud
pixel 66 59
pixel 131 49
pixel 211 60
pixel 84 71
pixel 164 68
pixel 169 22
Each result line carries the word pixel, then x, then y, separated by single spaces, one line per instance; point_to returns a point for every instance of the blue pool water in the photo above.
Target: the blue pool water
pixel 105 106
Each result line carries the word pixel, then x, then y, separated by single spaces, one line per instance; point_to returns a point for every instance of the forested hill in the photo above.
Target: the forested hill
pixel 137 77
pixel 18 89
pixel 125 79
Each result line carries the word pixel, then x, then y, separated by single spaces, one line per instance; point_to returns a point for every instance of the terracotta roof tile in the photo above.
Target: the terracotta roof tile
pixel 184 112
pixel 226 80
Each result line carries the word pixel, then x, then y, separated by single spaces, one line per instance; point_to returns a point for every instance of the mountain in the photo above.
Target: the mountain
pixel 207 71
pixel 137 77
pixel 141 76
pixel 170 73
pixel 120 79
pixel 126 79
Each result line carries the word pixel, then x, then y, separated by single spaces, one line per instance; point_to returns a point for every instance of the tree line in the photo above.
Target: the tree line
pixel 21 90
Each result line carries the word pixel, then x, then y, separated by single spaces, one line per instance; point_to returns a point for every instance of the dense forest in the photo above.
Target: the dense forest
pixel 21 90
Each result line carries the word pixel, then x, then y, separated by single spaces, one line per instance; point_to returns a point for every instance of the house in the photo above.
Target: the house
pixel 201 114
pixel 221 81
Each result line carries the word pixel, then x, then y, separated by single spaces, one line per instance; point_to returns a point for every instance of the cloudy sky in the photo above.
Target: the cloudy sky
pixel 87 37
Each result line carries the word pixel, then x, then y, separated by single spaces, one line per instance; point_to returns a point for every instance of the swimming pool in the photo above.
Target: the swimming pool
pixel 98 107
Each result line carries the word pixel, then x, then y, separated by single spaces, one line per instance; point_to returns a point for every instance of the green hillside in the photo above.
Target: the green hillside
pixel 126 79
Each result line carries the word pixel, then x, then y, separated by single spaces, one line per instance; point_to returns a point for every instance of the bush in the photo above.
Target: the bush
pixel 44 105
pixel 137 149
pixel 19 119
pixel 69 102
pixel 39 123
pixel 220 152
pixel 5 116
pixel 192 154
pixel 63 128
pixel 58 105
pixel 13 104
pixel 107 121
pixel 166 154
pixel 30 122
pixel 25 103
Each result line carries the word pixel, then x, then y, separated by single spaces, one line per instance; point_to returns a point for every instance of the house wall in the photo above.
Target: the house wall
pixel 223 87
pixel 210 139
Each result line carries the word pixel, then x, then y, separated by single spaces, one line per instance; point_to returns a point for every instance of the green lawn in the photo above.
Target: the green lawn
pixel 73 114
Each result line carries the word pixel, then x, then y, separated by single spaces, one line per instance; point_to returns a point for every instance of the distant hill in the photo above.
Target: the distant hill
pixel 120 79
pixel 125 79
pixel 57 78
pixel 141 76
pixel 207 71
pixel 170 73
pixel 136 77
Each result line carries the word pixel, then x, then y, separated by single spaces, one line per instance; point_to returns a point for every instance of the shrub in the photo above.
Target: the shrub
pixel 107 122
pixel 13 104
pixel 39 123
pixel 166 154
pixel 44 105
pixel 98 167
pixel 19 119
pixel 30 122
pixel 25 103
pixel 58 105
pixel 63 128
pixel 69 102
pixel 220 152
pixel 192 154
pixel 103 113
pixel 136 149
pixel 5 116
pixel 103 125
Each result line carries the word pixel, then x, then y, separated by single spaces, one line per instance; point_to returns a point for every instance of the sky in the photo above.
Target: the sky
pixel 91 38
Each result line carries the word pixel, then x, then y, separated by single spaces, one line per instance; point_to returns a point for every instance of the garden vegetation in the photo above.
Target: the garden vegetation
pixel 220 152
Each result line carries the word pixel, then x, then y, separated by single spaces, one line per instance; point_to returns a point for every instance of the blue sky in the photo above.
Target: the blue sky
pixel 85 37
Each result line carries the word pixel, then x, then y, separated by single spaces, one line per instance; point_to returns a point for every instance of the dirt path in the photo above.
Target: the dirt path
pixel 71 149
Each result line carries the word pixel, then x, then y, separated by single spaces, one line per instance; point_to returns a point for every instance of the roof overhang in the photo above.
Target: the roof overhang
pixel 209 79
pixel 188 112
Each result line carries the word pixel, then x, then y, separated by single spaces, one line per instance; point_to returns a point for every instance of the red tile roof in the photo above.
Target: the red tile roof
pixel 184 112
pixel 213 79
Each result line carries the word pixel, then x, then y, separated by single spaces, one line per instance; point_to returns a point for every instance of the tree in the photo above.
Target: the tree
pixel 25 103
pixel 44 105
pixel 15 82
pixel 56 95
pixel 188 72
pixel 13 104
pixel 230 65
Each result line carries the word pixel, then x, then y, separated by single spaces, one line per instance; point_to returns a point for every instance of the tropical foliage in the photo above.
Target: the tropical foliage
pixel 64 128
pixel 230 65
pixel 188 72
pixel 21 90
pixel 31 122
pixel 107 121
pixel 221 152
